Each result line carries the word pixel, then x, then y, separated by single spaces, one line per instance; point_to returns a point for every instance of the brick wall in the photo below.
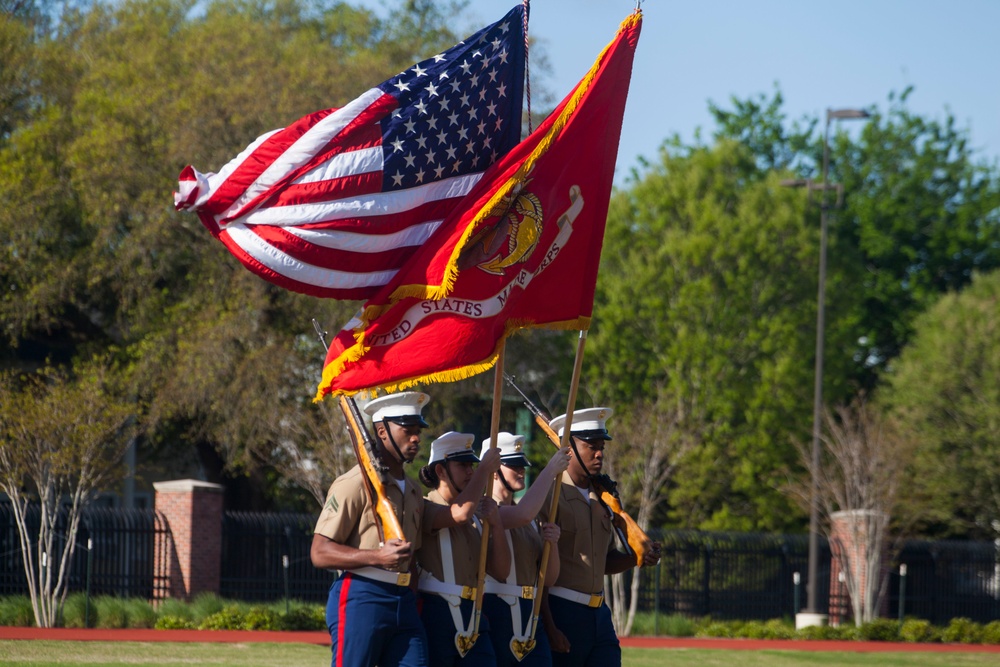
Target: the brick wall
pixel 193 554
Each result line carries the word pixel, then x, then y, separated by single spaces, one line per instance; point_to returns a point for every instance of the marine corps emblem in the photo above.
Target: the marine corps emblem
pixel 511 239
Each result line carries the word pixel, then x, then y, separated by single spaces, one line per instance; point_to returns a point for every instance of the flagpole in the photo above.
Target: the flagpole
pixel 488 493
pixel 526 646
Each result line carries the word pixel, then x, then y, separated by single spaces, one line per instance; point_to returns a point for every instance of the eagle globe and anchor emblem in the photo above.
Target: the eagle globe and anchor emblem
pixel 512 239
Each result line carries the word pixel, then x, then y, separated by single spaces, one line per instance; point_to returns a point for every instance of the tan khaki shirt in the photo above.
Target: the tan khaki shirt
pixel 347 517
pixel 586 537
pixel 465 544
pixel 527 543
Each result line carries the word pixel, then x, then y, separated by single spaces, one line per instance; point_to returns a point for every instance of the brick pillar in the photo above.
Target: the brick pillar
pixel 850 535
pixel 193 512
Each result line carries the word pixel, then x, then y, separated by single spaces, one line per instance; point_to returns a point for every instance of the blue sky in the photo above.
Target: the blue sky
pixel 850 53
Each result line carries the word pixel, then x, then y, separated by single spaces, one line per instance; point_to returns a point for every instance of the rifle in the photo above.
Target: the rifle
pixel 386 521
pixel 632 537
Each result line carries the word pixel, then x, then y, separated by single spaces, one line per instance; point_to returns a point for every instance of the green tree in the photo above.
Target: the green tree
pixel 708 284
pixel 62 439
pixel 921 214
pixel 120 97
pixel 945 388
pixel 707 289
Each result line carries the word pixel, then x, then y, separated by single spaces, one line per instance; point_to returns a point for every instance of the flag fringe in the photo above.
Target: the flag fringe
pixel 454 374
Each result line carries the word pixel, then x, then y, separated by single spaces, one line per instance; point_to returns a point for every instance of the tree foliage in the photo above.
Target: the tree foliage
pixel 708 284
pixel 945 389
pixel 704 290
pixel 111 104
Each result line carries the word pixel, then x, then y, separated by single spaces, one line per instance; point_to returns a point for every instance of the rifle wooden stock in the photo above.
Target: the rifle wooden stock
pixel 388 524
pixel 633 536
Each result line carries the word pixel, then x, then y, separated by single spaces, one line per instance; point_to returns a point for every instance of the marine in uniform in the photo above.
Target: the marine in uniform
pixel 372 610
pixel 450 550
pixel 575 615
pixel 509 604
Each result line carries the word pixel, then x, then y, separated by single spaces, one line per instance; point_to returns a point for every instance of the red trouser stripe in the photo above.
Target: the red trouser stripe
pixel 345 585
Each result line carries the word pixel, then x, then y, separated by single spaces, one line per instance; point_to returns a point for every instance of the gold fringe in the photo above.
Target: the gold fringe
pixel 453 375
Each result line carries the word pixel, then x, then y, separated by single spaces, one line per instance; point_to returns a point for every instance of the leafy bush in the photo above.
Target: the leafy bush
pixel 676 625
pixel 260 618
pixel 304 618
pixel 16 610
pixel 778 629
pixel 230 617
pixel 205 605
pixel 818 632
pixel 962 631
pixel 112 612
pixel 718 629
pixel 880 630
pixel 991 633
pixel 74 612
pixel 918 630
pixel 176 608
pixel 140 613
pixel 170 622
pixel 752 630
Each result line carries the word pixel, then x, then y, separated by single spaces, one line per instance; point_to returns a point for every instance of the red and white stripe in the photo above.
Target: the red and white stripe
pixel 303 206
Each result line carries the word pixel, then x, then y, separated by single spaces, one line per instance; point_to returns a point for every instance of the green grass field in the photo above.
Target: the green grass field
pixel 43 653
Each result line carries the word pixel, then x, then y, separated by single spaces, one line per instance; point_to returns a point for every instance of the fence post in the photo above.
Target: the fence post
pixel 90 570
pixel 797 581
pixel 902 591
pixel 284 566
pixel 706 579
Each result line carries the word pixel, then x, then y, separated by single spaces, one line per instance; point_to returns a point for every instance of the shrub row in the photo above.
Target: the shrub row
pixel 206 612
pixel 958 630
pixel 210 612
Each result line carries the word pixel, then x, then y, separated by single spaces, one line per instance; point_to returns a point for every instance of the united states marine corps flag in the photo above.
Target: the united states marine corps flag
pixel 522 249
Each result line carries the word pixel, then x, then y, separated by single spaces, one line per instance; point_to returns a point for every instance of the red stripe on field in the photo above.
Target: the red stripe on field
pixel 323 638
pixel 342 617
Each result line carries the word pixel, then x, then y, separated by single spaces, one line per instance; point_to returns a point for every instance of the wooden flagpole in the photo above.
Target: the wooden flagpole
pixel 519 648
pixel 463 641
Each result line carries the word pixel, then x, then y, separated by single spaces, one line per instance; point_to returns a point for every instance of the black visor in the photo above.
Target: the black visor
pixel 593 434
pixel 515 461
pixel 408 420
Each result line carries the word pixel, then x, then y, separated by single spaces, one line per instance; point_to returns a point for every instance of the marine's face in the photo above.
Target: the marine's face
pixel 459 473
pixel 591 455
pixel 407 438
pixel 514 476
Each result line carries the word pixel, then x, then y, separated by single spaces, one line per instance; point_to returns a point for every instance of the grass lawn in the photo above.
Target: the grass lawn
pixel 44 653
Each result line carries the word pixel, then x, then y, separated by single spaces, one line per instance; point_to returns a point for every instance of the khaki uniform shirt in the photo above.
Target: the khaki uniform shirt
pixel 586 537
pixel 527 544
pixel 347 517
pixel 465 543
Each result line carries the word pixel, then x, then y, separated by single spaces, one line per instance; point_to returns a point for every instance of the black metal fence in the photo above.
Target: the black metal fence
pixel 947 579
pixel 114 552
pixel 731 575
pixel 265 556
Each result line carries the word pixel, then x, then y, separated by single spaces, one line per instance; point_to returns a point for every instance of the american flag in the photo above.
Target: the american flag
pixel 334 204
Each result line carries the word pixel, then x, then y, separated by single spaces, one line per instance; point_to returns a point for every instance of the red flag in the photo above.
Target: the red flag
pixel 336 203
pixel 523 251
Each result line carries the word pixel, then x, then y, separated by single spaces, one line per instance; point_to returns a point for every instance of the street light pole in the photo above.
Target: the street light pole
pixel 811 612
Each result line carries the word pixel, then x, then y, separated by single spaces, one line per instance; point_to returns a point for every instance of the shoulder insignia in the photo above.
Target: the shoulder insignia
pixel 332 504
